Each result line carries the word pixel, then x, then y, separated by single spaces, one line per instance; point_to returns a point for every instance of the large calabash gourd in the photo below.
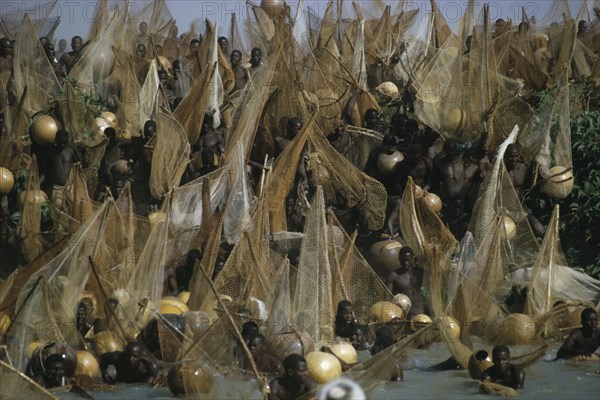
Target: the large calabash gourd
pixel 7 181
pixel 449 327
pixel 37 362
pixel 479 362
pixel 35 196
pixel 517 329
pixel 433 202
pixel 273 8
pixel 345 352
pixel 560 182
pixel 403 301
pixel 384 311
pixel 510 229
pixel 387 163
pixel 454 121
pixel 172 305
pixel 106 343
pixel 419 321
pixel 44 129
pixel 383 256
pixel 87 365
pixel 189 378
pixel 323 367
pixel 388 91
pixel 284 344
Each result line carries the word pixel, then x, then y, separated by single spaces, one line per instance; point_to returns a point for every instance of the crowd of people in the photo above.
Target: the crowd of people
pixel 397 148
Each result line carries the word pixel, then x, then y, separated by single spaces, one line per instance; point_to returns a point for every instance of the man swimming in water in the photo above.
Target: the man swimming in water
pixel 295 383
pixel 503 372
pixel 130 365
pixel 584 341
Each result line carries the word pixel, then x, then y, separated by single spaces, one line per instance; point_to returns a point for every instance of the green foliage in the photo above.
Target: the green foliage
pixel 88 97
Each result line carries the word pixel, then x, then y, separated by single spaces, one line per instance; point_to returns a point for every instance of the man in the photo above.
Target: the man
pixel 68 59
pixel 295 383
pixel 61 160
pixel 184 273
pixel 503 372
pixel 239 72
pixel 582 342
pixel 223 44
pixel 54 374
pixel 255 58
pixel 6 55
pixel 56 66
pixel 130 365
pixel 140 50
pixel 408 280
pixel 62 47
pixel 294 126
pixel 345 322
pixel 142 37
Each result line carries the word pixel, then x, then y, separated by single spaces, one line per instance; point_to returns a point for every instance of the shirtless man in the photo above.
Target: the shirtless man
pixel 239 72
pixel 54 374
pixel 131 366
pixel 184 273
pixel 62 158
pixel 255 58
pixel 519 177
pixel 295 383
pixel 7 51
pixel 582 342
pixel 408 280
pixel 142 37
pixel 56 66
pixel 62 47
pixel 294 126
pixel 140 50
pixel 223 44
pixel 68 59
pixel 210 137
pixel 503 372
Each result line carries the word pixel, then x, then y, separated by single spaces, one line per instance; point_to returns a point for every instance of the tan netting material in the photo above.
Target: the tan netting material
pixel 550 279
pixel 11 23
pixel 170 156
pixel 340 178
pixel 353 278
pixel 29 229
pixel 48 301
pixel 279 302
pixel 313 303
pixel 16 384
pixel 32 72
pixel 239 196
pixel 282 178
pixel 75 201
pixel 422 228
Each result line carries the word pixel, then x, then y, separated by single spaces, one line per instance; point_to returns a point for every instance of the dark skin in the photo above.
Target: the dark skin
pixel 294 384
pixel 68 59
pixel 407 280
pixel 583 341
pixel 131 366
pixel 503 372
pixel 61 160
pixel 239 72
pixel 345 322
pixel 6 55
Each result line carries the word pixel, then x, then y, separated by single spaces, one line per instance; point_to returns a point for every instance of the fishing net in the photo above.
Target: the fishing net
pixel 29 229
pixel 282 178
pixel 340 179
pixel 32 72
pixel 158 17
pixel 550 279
pixel 279 302
pixel 73 201
pixel 353 278
pixel 421 228
pixel 11 21
pixel 239 196
pixel 47 302
pixel 313 302
pixel 170 155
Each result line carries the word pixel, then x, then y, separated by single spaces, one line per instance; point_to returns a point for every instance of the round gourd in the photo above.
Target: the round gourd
pixel 388 163
pixel 560 182
pixel 106 343
pixel 403 301
pixel 189 377
pixel 454 120
pixel 87 365
pixel 273 8
pixel 44 130
pixel 172 305
pixel 323 367
pixel 419 321
pixel 384 311
pixel 449 327
pixel 517 329
pixel 7 181
pixel 510 229
pixel 383 256
pixel 345 352
pixel 433 202
pixel 479 362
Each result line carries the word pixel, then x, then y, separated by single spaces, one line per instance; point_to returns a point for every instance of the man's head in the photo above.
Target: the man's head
pixel 49 50
pixel 371 117
pixel 256 342
pixel 223 43
pixel 500 27
pixel 76 43
pixel 163 76
pixel 450 148
pixel 82 313
pixel 249 330
pixel 6 48
pixel 589 320
pixel 194 46
pixel 55 370
pixel 62 45
pixel 406 255
pixel 236 57
pixel 511 156
pixel 140 50
pixel 143 26
pixel 295 368
pixel 149 128
pixel 44 41
pixel 582 26
pixel 501 357
pixel 193 256
pixel 134 351
pixel 255 57
pixel 345 311
pixel 294 126
pixel 208 156
pixel 62 138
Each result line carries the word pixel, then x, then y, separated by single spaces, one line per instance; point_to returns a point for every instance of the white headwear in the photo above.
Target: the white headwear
pixel 341 389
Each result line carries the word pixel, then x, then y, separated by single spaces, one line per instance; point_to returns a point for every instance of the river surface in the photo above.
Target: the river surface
pixel 546 379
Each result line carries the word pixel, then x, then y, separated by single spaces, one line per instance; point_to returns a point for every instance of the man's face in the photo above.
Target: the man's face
pixel 76 44
pixel 300 373
pixel 62 44
pixel 255 57
pixel 143 27
pixel 194 47
pixel 294 128
pixel 223 44
pixel 406 259
pixel 347 314
pixel 49 52
pixel 7 47
pixel 141 50
pixel 590 322
pixel 235 58
pixel 55 373
pixel 511 158
pixel 82 313
pixel 501 360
